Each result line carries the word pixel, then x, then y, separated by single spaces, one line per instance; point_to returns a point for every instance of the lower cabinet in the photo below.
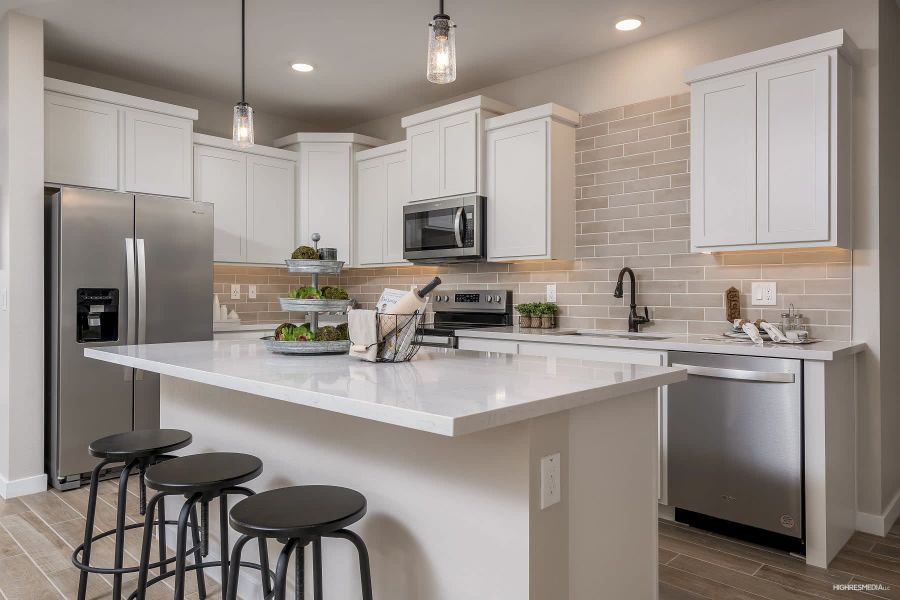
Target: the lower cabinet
pixel 382 188
pixel 599 353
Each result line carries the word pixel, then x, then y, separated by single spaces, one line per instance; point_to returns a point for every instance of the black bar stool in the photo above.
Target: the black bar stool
pixel 298 516
pixel 134 450
pixel 200 478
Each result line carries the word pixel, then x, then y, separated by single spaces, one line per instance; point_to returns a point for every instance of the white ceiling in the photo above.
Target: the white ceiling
pixel 369 55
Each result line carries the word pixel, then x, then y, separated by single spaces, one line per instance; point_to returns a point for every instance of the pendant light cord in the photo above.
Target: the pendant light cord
pixel 244 52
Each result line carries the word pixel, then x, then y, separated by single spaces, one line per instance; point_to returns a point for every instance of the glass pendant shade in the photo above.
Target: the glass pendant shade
pixel 242 131
pixel 441 50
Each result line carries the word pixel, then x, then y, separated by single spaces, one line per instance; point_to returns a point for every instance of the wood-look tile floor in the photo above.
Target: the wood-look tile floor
pixel 38 533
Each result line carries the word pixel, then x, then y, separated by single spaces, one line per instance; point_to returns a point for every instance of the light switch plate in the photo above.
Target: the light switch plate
pixel 551 292
pixel 763 293
pixel 550 480
pixel 235 291
pixel 251 291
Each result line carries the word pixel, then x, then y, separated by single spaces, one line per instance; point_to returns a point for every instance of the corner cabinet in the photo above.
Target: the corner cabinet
pixel 327 182
pixel 531 184
pixel 255 196
pixel 102 139
pixel 770 147
pixel 446 148
pixel 382 188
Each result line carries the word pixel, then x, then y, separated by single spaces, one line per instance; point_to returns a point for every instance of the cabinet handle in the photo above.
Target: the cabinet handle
pixel 738 374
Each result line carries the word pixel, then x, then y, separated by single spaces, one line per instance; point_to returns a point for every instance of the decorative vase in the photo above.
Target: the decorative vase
pixel 548 321
pixel 525 321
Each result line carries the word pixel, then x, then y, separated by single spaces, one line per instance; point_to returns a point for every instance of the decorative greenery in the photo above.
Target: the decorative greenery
pixel 527 310
pixel 293 333
pixel 334 293
pixel 305 253
pixel 306 293
pixel 546 308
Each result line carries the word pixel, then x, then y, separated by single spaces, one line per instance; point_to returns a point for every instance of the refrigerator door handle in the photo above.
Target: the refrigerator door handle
pixel 132 299
pixel 142 298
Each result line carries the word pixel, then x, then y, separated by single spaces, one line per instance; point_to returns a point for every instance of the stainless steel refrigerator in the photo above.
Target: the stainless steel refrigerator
pixel 121 269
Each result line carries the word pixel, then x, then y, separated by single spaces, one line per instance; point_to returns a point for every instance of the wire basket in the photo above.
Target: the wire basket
pixel 399 336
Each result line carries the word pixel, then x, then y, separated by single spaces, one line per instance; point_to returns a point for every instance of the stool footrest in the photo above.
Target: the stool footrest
pixel 79 550
pixel 204 565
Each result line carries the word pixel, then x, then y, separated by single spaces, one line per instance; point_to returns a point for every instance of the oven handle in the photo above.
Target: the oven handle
pixel 456 223
pixel 738 374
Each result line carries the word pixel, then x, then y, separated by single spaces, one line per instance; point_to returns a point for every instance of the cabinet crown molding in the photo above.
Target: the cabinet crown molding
pixel 91 93
pixel 387 149
pixel 345 138
pixel 455 108
pixel 202 139
pixel 832 40
pixel 554 112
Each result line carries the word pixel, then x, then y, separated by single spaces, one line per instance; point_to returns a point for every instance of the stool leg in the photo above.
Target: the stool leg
pixel 162 538
pixel 89 526
pixel 120 528
pixel 365 571
pixel 234 575
pixel 223 538
pixel 143 571
pixel 317 568
pixel 282 568
pixel 197 537
pixel 181 545
pixel 264 566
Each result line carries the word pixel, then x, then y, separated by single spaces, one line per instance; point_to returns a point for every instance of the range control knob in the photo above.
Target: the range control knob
pixel 497 298
pixel 437 298
pixel 489 299
pixel 446 298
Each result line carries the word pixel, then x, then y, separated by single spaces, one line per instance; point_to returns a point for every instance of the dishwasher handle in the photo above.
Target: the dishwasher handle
pixel 738 374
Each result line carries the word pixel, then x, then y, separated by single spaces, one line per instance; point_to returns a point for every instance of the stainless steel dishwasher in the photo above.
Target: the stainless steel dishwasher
pixel 735 443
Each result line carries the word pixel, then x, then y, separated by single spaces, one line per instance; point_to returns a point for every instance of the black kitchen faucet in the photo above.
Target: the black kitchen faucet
pixel 634 319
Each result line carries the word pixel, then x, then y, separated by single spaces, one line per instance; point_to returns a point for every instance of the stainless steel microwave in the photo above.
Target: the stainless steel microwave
pixel 442 231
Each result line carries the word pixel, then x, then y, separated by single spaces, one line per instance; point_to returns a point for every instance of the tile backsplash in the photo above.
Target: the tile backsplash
pixel 632 202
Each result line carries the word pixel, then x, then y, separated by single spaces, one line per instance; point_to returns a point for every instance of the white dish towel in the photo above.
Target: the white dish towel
pixel 362 327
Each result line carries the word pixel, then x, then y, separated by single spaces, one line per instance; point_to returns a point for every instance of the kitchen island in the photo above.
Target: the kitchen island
pixel 448 450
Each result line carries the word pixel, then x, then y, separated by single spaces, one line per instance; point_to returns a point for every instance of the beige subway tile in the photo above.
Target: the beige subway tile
pixel 671 234
pixel 606 189
pixel 602 299
pixel 575 287
pixel 678 273
pixel 664 287
pixel 616 250
pixel 585 168
pixel 696 259
pixel 589 204
pixel 664 156
pixel 827 255
pixel 734 272
pixel 679 113
pixel 584 215
pixel 681 220
pixel 647 106
pixel 603 116
pixel 825 301
pixel 839 270
pixel 712 287
pixel 706 327
pixel 699 300
pixel 617 176
pixel 634 160
pixel 754 258
pixel 794 271
pixel 680 313
pixel 656 144
pixel 647 299
pixel 583 145
pixel 680 140
pixel 602 226
pixel 839 317
pixel 829 286
pixel 824 332
pixel 647 262
pixel 648 222
pixel 585 311
pixel 590 275
pixel 643 185
pixel 669 168
pixel 631 123
pixel 664 326
pixel 616 139
pixel 611 324
pixel 666 129
pixel 585 180
pixel 602 153
pixel 681 180
pixel 584 251
pixel 618 212
pixel 672 247
pixel 664 208
pixel 680 99
pixel 591 239
pixel 608 262
pixel 576 323
pixel 631 199
pixel 593 131
pixel 624 237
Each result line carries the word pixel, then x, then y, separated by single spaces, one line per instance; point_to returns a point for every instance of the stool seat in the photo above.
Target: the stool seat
pixel 298 512
pixel 139 444
pixel 198 473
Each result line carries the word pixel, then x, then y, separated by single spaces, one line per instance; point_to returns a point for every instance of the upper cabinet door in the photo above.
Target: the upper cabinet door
pixel 270 209
pixel 157 154
pixel 793 181
pixel 517 212
pixel 459 154
pixel 325 180
pixel 396 168
pixel 371 205
pixel 424 161
pixel 81 142
pixel 220 177
pixel 723 161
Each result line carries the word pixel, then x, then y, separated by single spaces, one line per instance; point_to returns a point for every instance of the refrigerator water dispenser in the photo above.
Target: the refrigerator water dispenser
pixel 98 315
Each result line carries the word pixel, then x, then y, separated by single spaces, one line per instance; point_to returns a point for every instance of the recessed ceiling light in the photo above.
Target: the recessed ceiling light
pixel 629 23
pixel 302 67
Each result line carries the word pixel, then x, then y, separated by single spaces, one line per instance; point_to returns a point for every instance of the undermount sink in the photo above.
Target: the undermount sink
pixel 622 335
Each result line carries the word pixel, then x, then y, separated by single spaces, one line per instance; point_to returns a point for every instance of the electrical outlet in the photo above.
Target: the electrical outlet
pixel 551 292
pixel 550 480
pixel 235 291
pixel 251 291
pixel 763 293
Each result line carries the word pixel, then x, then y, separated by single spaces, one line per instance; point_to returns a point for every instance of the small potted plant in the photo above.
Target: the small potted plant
pixel 526 314
pixel 547 312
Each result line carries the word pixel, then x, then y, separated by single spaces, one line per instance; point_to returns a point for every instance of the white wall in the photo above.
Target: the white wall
pixel 215 115
pixel 654 68
pixel 21 255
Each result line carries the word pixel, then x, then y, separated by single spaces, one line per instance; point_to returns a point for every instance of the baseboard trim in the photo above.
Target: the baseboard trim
pixel 881 524
pixel 23 486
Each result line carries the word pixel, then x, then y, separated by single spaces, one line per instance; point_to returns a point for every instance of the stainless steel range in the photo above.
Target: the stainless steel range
pixel 466 309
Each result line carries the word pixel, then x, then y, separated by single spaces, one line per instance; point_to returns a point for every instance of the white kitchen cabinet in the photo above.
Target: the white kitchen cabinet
pixel 382 179
pixel 255 197
pixel 271 201
pixel 158 154
pixel 531 184
pixel 327 184
pixel 81 139
pixel 770 147
pixel 102 139
pixel 446 148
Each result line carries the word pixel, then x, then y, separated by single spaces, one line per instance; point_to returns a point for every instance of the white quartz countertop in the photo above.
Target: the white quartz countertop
pixel 824 350
pixel 450 393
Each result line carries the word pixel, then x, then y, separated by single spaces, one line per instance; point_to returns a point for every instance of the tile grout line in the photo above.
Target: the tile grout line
pixel 29 557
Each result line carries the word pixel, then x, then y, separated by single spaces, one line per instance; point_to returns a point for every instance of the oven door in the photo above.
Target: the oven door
pixel 444 230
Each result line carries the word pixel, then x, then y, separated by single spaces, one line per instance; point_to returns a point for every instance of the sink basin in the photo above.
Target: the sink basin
pixel 621 335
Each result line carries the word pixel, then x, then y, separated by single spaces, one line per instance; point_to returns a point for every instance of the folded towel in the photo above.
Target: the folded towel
pixel 751 330
pixel 774 332
pixel 362 327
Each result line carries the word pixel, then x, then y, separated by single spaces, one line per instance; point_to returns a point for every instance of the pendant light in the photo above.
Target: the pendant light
pixel 242 128
pixel 441 48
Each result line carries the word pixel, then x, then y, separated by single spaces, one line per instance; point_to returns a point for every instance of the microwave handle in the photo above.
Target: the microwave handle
pixel 457 222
